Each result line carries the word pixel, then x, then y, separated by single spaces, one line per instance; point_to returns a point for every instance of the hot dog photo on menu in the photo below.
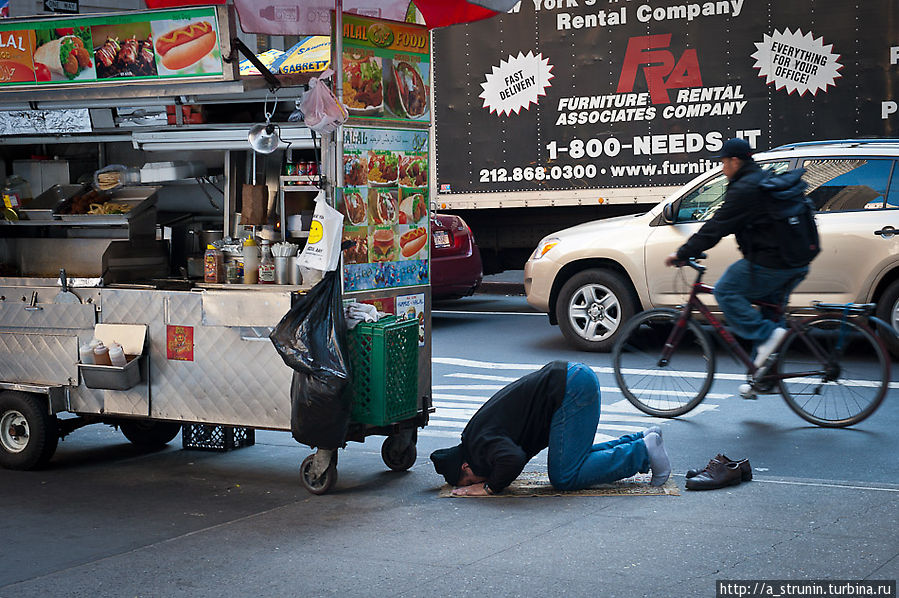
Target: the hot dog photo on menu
pixel 187 47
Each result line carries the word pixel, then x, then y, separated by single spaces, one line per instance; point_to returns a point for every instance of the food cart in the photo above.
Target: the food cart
pixel 198 354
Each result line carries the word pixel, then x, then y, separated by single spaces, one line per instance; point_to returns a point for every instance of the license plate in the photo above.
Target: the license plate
pixel 441 238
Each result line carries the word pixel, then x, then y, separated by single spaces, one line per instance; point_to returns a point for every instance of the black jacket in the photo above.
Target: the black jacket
pixel 744 213
pixel 513 426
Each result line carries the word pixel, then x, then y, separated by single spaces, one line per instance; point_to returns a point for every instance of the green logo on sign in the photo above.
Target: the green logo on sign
pixel 380 35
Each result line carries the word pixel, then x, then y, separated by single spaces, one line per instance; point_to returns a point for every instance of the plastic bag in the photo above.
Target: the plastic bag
pixel 311 339
pixel 321 110
pixel 322 250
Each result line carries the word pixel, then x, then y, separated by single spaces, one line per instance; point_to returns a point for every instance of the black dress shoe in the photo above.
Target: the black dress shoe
pixel 745 468
pixel 716 475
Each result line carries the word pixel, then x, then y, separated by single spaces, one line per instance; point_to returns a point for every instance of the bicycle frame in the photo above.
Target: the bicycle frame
pixel 694 303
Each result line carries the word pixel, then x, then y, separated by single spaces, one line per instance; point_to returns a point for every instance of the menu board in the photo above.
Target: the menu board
pixel 386 69
pixel 110 49
pixel 385 206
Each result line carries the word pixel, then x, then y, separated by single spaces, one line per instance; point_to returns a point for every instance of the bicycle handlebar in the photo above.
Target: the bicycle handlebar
pixel 693 263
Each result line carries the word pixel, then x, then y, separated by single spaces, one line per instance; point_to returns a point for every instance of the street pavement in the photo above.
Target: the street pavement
pixel 106 519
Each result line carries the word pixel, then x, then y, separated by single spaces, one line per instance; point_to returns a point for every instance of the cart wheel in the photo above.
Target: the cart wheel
pixel 28 433
pixel 324 482
pixel 398 455
pixel 149 434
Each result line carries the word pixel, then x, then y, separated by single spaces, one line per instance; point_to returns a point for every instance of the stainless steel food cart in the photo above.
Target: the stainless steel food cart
pixel 202 353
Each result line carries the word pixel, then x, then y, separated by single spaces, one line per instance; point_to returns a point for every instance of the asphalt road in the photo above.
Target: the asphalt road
pixel 106 519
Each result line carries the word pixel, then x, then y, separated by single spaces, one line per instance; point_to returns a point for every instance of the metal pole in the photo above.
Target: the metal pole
pixel 338 83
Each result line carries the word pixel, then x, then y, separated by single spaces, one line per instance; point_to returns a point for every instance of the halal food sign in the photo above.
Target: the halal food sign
pixel 105 49
pixel 386 70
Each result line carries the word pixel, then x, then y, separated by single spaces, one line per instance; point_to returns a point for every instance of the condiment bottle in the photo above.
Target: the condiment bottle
pixel 250 261
pixel 117 355
pixel 267 264
pixel 101 355
pixel 86 353
pixel 213 265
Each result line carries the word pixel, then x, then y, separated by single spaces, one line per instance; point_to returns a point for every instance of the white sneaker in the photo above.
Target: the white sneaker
pixel 767 348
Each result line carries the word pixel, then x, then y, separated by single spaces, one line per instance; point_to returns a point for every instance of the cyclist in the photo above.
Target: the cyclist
pixel 762 274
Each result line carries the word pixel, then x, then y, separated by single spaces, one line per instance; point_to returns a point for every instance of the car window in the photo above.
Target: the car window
pixel 701 204
pixel 838 185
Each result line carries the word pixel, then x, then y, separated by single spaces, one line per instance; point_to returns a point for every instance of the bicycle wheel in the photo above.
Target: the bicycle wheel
pixel 834 391
pixel 672 388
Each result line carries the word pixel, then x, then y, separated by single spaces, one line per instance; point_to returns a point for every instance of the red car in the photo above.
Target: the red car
pixel 456 269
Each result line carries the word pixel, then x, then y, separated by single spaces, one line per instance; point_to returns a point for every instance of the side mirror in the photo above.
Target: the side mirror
pixel 668 213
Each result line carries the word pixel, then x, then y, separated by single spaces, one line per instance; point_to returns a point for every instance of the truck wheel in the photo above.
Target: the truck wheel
pixel 888 311
pixel 592 307
pixel 28 432
pixel 149 434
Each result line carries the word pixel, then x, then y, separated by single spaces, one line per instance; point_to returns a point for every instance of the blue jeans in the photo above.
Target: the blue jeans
pixel 574 461
pixel 744 282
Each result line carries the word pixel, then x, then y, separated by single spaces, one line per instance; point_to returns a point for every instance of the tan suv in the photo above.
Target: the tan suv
pixel 591 278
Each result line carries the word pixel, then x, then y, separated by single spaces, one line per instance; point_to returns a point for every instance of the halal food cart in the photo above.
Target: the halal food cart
pixel 198 354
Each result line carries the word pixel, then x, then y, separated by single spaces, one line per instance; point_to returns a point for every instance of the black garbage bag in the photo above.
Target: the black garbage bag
pixel 311 339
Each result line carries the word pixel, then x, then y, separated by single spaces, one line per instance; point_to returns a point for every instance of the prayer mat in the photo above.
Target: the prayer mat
pixel 533 483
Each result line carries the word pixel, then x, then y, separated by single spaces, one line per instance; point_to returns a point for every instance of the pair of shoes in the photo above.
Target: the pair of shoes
pixel 745 467
pixel 767 348
pixel 720 472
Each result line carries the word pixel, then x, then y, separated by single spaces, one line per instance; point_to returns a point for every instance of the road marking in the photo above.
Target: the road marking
pixel 445 409
pixel 453 409
pixel 481 377
pixel 608 370
pixel 604 389
pixel 436 433
pixel 625 406
pixel 488 313
pixel 823 485
pixel 598 369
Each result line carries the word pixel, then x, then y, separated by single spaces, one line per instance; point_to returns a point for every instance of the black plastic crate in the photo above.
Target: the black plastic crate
pixel 210 437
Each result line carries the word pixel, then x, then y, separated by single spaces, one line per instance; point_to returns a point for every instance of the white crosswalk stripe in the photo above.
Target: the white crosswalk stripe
pixel 455 403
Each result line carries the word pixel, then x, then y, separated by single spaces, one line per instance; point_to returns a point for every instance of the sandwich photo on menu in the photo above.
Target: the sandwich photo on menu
pixel 63 54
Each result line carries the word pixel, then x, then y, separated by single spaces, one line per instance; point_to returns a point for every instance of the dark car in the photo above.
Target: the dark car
pixel 456 269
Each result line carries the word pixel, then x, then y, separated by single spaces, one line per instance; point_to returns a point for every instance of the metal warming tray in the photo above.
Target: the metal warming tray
pixel 47 203
pixel 141 199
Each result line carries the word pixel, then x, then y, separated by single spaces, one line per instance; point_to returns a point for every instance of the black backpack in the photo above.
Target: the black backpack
pixel 792 217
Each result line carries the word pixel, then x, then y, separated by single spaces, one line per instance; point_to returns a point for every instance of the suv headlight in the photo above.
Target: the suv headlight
pixel 544 246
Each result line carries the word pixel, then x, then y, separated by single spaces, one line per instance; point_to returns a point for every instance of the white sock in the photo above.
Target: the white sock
pixel 652 430
pixel 658 459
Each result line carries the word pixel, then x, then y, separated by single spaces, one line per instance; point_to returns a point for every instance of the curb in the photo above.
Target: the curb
pixel 500 288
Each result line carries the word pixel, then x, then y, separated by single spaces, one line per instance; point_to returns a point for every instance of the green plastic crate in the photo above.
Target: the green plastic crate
pixel 384 358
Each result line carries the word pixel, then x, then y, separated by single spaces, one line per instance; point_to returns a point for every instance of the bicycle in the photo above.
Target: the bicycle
pixel 809 366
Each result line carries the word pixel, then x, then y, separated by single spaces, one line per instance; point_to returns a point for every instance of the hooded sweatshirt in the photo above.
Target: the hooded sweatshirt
pixel 513 426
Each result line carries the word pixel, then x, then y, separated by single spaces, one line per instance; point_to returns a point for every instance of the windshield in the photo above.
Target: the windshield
pixel 701 204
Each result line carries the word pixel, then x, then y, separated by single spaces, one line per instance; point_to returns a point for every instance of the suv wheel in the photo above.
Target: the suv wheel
pixel 592 307
pixel 888 311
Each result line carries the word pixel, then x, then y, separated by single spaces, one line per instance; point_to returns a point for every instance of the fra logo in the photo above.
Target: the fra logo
pixel 660 68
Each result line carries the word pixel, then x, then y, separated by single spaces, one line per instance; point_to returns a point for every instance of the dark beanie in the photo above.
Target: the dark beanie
pixel 448 463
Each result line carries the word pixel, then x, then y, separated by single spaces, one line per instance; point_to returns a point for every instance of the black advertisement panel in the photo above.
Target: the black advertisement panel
pixel 580 94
